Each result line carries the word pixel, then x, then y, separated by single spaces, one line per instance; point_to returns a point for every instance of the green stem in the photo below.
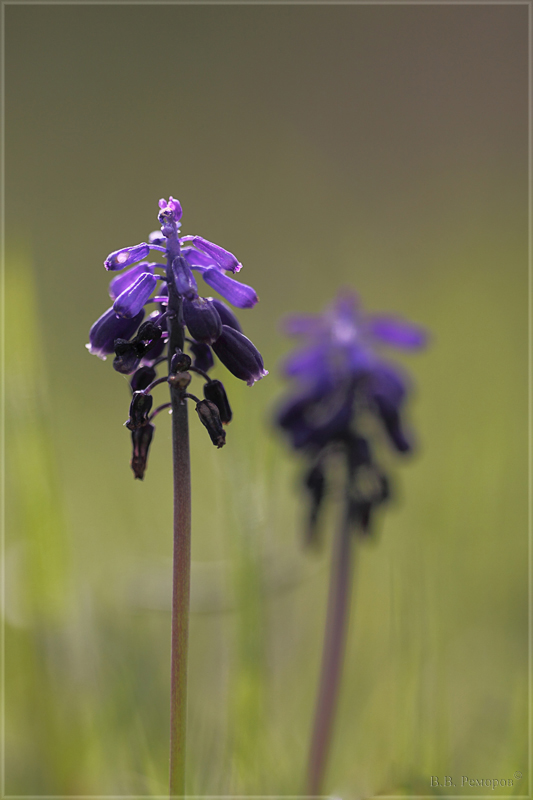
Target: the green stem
pixel 333 654
pixel 181 564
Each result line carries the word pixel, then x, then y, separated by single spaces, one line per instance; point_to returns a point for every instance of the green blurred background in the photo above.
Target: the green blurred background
pixel 381 147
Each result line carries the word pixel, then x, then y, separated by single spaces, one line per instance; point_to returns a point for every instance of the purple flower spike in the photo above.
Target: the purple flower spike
pixel 397 332
pixel 238 294
pixel 108 328
pixel 122 282
pixel 184 279
pixel 130 302
pixel 128 255
pixel 202 319
pixel 341 380
pixel 223 258
pixel 240 356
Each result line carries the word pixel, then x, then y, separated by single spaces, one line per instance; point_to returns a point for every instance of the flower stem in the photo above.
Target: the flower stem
pixel 333 653
pixel 181 562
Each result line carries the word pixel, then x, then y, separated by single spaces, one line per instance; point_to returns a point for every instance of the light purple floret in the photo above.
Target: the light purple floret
pixel 132 300
pixel 122 282
pixel 223 258
pixel 127 256
pixel 238 294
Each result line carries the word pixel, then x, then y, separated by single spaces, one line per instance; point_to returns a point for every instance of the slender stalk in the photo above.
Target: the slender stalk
pixel 182 554
pixel 333 653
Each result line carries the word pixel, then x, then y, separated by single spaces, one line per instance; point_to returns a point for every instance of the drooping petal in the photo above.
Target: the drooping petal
pixel 128 255
pixel 132 299
pixel 202 319
pixel 239 355
pixel 223 258
pixel 122 282
pixel 108 328
pixel 238 294
pixel 183 278
pixel 397 332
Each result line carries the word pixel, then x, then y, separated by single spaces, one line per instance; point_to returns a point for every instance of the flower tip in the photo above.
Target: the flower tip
pixel 95 352
pixel 258 377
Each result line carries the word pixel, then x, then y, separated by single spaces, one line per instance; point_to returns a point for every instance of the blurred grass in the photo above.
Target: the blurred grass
pixel 435 675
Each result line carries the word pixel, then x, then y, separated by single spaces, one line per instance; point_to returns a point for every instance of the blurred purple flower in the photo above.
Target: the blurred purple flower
pixel 340 381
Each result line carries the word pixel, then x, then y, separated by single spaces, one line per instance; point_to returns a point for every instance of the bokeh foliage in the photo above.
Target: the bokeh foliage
pixel 379 147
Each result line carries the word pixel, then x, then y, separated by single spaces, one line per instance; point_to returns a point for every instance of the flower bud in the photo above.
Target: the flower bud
pixel 180 362
pixel 209 416
pixel 141 439
pixel 128 255
pixel 239 355
pixel 215 392
pixel 202 319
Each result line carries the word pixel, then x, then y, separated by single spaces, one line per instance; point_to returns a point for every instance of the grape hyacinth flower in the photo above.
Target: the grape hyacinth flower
pixel 143 344
pixel 346 397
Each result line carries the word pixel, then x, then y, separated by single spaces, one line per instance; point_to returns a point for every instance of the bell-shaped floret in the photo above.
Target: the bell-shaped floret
pixel 239 355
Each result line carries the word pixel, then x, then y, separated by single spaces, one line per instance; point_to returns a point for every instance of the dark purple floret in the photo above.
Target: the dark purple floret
pixel 203 357
pixel 184 279
pixel 210 417
pixel 107 329
pixel 202 319
pixel 239 355
pixel 140 407
pixel 127 356
pixel 226 314
pixel 142 378
pixel 214 391
pixel 141 439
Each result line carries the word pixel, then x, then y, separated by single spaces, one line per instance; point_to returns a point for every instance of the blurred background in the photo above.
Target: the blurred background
pixel 380 147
